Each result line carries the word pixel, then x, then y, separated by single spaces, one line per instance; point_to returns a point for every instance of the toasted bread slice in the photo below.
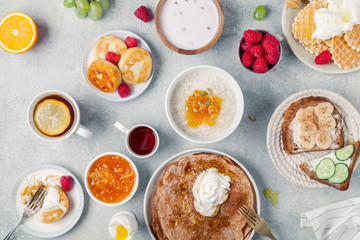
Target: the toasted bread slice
pixel 309 170
pixel 289 138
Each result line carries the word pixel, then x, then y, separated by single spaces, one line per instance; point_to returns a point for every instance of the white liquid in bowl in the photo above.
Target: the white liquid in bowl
pixel 189 24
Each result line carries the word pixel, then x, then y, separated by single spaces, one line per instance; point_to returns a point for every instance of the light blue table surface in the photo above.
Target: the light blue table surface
pixel 55 63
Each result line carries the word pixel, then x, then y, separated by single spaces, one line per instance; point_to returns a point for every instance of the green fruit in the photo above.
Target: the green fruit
pixel 259 13
pixel 69 3
pixel 104 4
pixel 95 11
pixel 79 13
pixel 83 5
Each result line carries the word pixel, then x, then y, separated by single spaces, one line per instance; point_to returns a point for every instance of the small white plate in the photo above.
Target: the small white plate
pixel 288 165
pixel 159 172
pixel 136 89
pixel 233 84
pixel 32 225
pixel 288 16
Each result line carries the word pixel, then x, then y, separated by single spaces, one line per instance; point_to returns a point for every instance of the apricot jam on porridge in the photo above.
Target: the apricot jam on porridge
pixel 202 108
pixel 111 178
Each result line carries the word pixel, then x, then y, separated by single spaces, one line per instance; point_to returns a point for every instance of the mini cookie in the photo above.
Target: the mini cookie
pixel 136 65
pixel 353 37
pixel 104 75
pixel 109 43
pixel 304 24
pixel 294 4
pixel 318 48
pixel 343 55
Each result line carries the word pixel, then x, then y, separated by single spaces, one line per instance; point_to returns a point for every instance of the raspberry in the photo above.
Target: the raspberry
pixel 323 58
pixel 124 90
pixel 246 46
pixel 272 60
pixel 66 183
pixel 252 36
pixel 112 57
pixel 247 59
pixel 143 14
pixel 258 51
pixel 131 42
pixel 260 65
pixel 270 48
pixel 271 38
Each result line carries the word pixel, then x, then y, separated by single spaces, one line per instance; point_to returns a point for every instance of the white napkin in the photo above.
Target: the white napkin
pixel 337 221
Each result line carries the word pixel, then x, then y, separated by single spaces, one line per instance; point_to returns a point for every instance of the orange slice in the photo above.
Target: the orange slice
pixel 18 32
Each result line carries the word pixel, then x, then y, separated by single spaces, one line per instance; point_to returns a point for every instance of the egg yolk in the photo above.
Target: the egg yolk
pixel 202 108
pixel 121 233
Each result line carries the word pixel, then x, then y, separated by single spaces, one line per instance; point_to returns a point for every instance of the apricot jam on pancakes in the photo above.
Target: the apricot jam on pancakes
pixel 111 178
pixel 202 108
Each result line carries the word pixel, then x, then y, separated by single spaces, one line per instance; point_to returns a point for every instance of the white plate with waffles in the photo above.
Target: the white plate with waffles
pixel 288 16
pixel 288 165
pixel 136 89
pixel 32 225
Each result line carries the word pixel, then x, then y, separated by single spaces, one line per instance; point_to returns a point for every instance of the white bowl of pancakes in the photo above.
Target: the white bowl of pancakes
pixel 135 68
pixel 183 168
pixel 306 49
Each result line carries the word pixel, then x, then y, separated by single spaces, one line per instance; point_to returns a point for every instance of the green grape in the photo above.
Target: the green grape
pixel 83 5
pixel 104 4
pixel 69 3
pixel 95 11
pixel 79 13
pixel 259 13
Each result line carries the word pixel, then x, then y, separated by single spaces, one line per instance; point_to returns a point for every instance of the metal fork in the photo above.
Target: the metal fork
pixel 32 206
pixel 256 222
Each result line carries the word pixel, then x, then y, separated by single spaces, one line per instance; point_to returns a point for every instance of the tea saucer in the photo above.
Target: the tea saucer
pixel 136 89
pixel 32 225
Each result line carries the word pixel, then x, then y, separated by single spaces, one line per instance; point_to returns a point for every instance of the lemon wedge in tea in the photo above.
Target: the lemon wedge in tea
pixel 52 117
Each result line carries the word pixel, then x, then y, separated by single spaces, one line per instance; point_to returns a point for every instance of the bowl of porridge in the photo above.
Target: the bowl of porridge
pixel 204 104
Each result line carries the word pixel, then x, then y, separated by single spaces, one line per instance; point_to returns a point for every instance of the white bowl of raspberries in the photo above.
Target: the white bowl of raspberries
pixel 259 51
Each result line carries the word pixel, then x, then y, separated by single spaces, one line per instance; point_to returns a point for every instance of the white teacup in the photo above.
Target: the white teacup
pixel 129 135
pixel 75 126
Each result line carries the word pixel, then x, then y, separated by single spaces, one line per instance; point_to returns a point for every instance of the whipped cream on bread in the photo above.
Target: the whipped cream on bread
pixel 210 190
pixel 340 16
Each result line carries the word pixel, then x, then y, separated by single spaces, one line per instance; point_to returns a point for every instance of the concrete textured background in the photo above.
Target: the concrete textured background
pixel 55 63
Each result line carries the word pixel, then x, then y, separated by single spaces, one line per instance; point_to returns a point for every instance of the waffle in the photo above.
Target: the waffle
pixel 304 24
pixel 318 48
pixel 294 4
pixel 353 38
pixel 343 55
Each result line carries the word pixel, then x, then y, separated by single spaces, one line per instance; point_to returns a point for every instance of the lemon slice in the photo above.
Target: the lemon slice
pixel 52 117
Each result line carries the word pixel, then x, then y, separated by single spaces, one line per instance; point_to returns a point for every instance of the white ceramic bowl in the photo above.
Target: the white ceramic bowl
pixel 160 171
pixel 133 190
pixel 226 77
pixel 288 16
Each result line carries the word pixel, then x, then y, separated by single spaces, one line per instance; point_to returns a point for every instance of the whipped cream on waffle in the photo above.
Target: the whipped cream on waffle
pixel 210 190
pixel 340 16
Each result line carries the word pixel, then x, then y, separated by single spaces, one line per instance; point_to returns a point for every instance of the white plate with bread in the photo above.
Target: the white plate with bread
pixel 137 75
pixel 286 149
pixel 288 17
pixel 35 225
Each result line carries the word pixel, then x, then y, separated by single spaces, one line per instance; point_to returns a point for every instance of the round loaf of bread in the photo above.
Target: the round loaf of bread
pixel 135 65
pixel 104 75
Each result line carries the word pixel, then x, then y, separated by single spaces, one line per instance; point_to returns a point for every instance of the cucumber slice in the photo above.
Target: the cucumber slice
pixel 341 173
pixel 325 168
pixel 345 153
